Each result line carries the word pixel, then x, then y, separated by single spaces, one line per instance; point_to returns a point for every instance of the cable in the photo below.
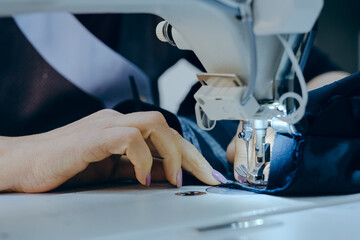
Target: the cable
pixel 247 17
pixel 253 63
pixel 299 113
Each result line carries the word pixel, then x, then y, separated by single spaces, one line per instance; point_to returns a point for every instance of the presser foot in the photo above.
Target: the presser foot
pixel 258 175
pixel 252 177
pixel 255 171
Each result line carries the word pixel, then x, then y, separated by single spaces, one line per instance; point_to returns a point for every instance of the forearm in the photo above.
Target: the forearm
pixel 325 79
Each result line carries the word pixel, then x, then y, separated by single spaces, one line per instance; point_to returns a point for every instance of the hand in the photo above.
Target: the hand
pixel 237 153
pixel 43 162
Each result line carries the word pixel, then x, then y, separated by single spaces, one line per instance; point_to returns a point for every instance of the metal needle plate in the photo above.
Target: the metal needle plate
pixel 190 193
pixel 242 171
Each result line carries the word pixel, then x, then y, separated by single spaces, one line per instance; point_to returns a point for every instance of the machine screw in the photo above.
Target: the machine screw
pixel 241 135
pixel 190 193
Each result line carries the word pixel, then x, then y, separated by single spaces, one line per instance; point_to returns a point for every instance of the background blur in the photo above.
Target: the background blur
pixel 339 33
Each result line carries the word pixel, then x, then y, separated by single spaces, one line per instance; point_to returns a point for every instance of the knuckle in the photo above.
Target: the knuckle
pixel 107 112
pixel 133 135
pixel 176 133
pixel 156 117
pixel 104 135
pixel 200 165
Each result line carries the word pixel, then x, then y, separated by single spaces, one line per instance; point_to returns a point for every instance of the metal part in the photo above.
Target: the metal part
pixel 241 225
pixel 190 193
pixel 203 121
pixel 242 171
pixel 262 149
pixel 247 131
pixel 247 134
pixel 228 190
pixel 246 14
pixel 256 175
pixel 262 154
pixel 164 34
pixel 260 127
pixel 235 225
pixel 283 127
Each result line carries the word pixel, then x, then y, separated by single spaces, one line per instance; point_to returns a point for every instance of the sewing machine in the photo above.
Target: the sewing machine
pixel 248 61
pixel 220 33
pixel 247 48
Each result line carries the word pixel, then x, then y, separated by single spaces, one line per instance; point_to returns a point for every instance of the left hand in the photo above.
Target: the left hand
pixel 88 150
pixel 118 168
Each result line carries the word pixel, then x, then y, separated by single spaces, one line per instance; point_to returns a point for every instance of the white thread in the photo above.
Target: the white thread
pixel 302 100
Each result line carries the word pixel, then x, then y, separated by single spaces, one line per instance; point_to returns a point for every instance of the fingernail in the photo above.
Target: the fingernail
pixel 148 180
pixel 241 179
pixel 218 176
pixel 179 179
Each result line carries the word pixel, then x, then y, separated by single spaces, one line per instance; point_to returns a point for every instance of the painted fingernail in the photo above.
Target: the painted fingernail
pixel 239 173
pixel 218 176
pixel 148 180
pixel 241 179
pixel 179 179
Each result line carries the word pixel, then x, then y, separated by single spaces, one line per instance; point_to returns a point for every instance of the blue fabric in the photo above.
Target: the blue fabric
pixel 326 159
pixel 210 146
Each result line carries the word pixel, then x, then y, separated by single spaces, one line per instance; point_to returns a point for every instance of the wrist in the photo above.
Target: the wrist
pixel 8 165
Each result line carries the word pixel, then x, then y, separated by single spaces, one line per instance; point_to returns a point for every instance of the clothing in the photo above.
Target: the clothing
pixel 35 98
pixel 74 52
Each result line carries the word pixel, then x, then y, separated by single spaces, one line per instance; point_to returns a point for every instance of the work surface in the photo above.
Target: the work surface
pixel 136 212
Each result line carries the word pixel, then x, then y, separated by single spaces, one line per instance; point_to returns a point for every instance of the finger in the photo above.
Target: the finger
pixel 154 126
pixel 124 170
pixel 196 164
pixel 92 175
pixel 238 147
pixel 169 149
pixel 230 151
pixel 129 141
pixel 105 113
pixel 266 172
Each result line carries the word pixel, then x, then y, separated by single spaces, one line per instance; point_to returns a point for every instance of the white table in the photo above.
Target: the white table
pixel 135 212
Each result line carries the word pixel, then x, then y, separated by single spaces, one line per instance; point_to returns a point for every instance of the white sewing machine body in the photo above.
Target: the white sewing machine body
pixel 210 28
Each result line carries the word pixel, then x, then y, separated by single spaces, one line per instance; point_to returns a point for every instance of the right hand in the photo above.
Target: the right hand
pixel 43 162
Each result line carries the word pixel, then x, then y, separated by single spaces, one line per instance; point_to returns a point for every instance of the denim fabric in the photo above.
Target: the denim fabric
pixel 326 159
pixel 208 145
